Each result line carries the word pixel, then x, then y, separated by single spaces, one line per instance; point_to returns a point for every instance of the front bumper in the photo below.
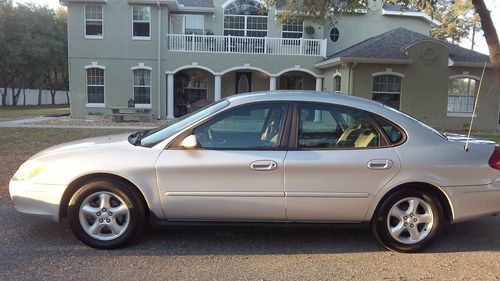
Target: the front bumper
pixel 37 199
pixel 469 202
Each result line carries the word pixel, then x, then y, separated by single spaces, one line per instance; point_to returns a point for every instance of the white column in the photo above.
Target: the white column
pixel 217 88
pixel 319 84
pixel 170 96
pixel 272 83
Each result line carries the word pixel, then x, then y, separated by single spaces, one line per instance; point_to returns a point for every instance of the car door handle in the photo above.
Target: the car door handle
pixel 263 165
pixel 379 164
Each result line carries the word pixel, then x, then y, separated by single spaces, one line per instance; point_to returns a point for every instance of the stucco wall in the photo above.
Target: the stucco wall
pixel 330 73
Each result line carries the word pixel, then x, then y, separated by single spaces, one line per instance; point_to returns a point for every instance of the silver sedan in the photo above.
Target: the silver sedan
pixel 280 157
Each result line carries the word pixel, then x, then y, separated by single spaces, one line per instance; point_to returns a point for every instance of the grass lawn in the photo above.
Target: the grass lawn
pixel 18 144
pixel 8 112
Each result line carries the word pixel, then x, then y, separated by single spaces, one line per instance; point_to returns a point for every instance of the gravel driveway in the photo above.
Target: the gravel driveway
pixel 34 249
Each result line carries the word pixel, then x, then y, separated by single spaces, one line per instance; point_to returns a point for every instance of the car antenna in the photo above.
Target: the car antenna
pixel 466 147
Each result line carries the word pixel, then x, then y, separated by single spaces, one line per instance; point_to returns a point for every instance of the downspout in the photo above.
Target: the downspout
pixel 159 60
pixel 351 78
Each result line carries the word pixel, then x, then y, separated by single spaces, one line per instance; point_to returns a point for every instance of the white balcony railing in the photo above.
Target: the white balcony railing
pixel 246 45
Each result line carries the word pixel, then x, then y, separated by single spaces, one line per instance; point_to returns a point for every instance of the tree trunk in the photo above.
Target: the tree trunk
pixel 490 34
pixel 24 96
pixel 53 96
pixel 4 96
pixel 39 96
pixel 15 95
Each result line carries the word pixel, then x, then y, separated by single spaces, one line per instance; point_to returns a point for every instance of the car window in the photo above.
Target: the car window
pixel 393 133
pixel 157 135
pixel 325 126
pixel 257 126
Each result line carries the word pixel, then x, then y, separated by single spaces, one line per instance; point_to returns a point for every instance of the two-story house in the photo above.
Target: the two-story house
pixel 174 56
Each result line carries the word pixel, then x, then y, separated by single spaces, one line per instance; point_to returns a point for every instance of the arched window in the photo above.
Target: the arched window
pixel 337 82
pixel 95 85
pixel 461 94
pixel 142 86
pixel 245 18
pixel 387 89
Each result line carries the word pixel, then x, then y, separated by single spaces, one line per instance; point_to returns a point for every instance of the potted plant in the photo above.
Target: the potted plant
pixel 131 102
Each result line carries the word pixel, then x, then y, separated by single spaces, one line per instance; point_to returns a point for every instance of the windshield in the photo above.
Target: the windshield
pixel 161 133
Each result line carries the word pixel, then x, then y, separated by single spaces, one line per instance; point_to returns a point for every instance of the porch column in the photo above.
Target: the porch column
pixel 319 84
pixel 170 96
pixel 217 88
pixel 272 83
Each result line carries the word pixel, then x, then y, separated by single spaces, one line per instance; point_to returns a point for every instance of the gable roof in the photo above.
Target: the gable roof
pixel 390 46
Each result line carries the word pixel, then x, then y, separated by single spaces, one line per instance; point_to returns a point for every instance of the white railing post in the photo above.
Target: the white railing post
pixel 192 41
pixel 265 45
pixel 301 51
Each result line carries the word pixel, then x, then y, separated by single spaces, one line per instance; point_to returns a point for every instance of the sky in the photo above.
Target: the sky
pixel 480 42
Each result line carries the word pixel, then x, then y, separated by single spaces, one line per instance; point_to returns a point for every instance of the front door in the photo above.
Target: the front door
pixel 341 161
pixel 243 82
pixel 236 173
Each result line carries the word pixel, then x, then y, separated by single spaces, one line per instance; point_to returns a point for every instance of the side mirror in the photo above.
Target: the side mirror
pixel 189 142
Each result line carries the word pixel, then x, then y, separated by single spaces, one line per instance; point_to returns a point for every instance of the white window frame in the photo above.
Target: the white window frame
pixel 400 93
pixel 245 29
pixel 86 67
pixel 85 22
pixel 329 34
pixel 186 19
pixel 461 114
pixel 296 32
pixel 142 67
pixel 141 21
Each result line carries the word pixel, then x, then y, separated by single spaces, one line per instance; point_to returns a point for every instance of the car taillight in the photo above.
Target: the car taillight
pixel 495 158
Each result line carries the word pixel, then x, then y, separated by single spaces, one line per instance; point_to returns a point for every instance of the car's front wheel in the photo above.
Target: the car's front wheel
pixel 106 214
pixel 408 220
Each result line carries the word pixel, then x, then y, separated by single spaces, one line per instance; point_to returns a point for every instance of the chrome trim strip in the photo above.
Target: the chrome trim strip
pixel 226 194
pixel 327 194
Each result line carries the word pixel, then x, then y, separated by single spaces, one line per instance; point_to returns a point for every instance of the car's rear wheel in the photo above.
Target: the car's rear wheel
pixel 106 214
pixel 408 220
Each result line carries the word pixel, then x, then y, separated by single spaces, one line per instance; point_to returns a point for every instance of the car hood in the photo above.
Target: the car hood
pixel 95 142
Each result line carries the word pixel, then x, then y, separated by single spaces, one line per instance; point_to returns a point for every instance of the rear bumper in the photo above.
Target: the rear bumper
pixel 469 202
pixel 40 200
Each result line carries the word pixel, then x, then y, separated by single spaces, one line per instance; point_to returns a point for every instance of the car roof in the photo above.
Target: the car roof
pixel 310 96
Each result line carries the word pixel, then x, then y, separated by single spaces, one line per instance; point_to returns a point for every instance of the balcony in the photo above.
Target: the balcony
pixel 246 45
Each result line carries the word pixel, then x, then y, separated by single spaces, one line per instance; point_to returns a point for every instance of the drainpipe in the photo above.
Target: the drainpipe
pixel 351 78
pixel 159 60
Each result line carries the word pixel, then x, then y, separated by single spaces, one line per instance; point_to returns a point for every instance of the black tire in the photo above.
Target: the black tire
pixel 128 221
pixel 428 207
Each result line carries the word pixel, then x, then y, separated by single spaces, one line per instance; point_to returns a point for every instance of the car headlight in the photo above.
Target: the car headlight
pixel 28 170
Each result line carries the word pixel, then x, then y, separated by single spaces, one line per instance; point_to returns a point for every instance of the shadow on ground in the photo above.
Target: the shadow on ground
pixel 24 233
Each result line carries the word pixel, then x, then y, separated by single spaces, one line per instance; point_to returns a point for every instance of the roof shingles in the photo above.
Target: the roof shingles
pixel 391 45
